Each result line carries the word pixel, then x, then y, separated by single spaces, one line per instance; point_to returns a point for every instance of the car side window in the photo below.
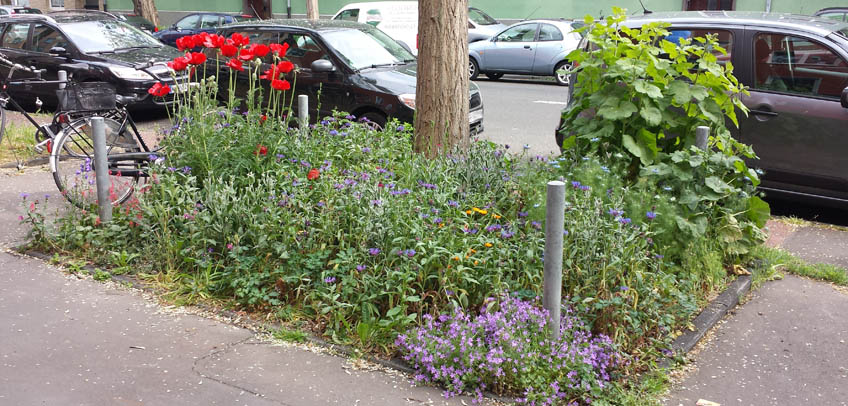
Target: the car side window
pixel 303 50
pixel 188 23
pixel 548 32
pixel 3 12
pixel 15 36
pixel 519 33
pixel 45 37
pixel 348 15
pixel 790 64
pixel 838 16
pixel 724 37
pixel 210 21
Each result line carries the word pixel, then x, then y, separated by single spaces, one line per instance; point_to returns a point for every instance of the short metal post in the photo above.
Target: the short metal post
pixel 554 227
pixel 303 111
pixel 101 169
pixel 702 134
pixel 63 79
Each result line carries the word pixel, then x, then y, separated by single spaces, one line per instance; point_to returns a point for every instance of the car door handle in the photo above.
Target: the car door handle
pixel 764 113
pixel 527 47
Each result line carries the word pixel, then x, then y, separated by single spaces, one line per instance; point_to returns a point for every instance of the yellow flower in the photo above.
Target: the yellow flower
pixel 483 212
pixel 495 216
pixel 488 245
pixel 468 212
pixel 455 258
pixel 476 262
pixel 473 251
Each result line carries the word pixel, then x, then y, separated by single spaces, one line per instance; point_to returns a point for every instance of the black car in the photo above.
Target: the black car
pixel 91 47
pixel 353 67
pixel 198 22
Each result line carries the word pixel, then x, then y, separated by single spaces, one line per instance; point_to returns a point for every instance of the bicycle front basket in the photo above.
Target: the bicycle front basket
pixel 87 96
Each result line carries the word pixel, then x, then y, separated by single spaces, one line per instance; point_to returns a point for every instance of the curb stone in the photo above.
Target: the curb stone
pixel 711 315
pixel 255 326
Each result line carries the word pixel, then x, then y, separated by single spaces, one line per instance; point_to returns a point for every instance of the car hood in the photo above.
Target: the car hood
pixel 139 56
pixel 395 80
pixel 480 45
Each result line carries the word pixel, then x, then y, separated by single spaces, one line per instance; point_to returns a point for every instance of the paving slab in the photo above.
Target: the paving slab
pixel 787 346
pixel 819 245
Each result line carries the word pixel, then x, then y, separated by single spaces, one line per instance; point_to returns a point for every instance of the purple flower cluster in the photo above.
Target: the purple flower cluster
pixel 508 345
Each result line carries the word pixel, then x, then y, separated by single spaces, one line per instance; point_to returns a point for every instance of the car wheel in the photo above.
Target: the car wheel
pixel 473 69
pixel 374 120
pixel 562 79
pixel 494 76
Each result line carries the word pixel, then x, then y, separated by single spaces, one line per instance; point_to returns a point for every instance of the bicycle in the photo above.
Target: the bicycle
pixel 68 137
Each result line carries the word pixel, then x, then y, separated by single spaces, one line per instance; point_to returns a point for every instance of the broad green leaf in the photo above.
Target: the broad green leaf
pixel 637 149
pixel 758 211
pixel 717 185
pixel 652 115
pixel 620 111
pixel 680 91
pixel 649 89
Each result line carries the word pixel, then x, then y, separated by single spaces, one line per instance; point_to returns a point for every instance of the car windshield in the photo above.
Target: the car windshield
pixel 481 18
pixel 107 36
pixel 367 48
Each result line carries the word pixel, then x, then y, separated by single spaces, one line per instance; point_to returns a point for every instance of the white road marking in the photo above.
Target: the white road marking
pixel 550 102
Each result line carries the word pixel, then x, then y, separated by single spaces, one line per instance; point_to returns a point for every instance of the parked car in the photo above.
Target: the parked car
pixel 833 13
pixel 796 69
pixel 91 47
pixel 353 67
pixel 535 47
pixel 139 22
pixel 399 19
pixel 9 10
pixel 198 22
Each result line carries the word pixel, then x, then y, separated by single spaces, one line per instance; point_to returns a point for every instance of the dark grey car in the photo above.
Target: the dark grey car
pixel 796 70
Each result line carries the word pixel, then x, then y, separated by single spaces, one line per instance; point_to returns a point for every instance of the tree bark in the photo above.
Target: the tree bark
pixel 441 97
pixel 101 5
pixel 146 9
pixel 312 9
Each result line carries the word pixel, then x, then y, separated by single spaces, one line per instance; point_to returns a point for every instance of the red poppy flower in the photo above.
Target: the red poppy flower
pixel 214 41
pixel 270 74
pixel 235 64
pixel 313 174
pixel 259 50
pixel 239 40
pixel 263 118
pixel 280 84
pixel 245 54
pixel 200 38
pixel 185 43
pixel 179 64
pixel 229 50
pixel 196 58
pixel 159 89
pixel 279 49
pixel 285 66
pixel 261 150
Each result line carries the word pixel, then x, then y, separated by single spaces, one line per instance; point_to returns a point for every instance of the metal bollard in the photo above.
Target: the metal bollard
pixel 303 111
pixel 554 226
pixel 101 169
pixel 702 135
pixel 63 78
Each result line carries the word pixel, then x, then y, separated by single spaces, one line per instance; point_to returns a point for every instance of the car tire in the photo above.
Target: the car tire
pixel 374 120
pixel 562 79
pixel 494 76
pixel 473 69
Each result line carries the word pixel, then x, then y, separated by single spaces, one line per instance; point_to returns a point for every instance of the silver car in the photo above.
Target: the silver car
pixel 535 47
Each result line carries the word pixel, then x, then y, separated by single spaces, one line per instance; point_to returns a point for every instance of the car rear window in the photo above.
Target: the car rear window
pixel 15 36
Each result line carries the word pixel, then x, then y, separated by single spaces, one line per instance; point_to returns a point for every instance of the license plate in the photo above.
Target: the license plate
pixel 183 87
pixel 475 116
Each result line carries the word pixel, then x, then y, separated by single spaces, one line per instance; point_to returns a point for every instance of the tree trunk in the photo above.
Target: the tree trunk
pixel 312 9
pixel 441 96
pixel 101 5
pixel 146 9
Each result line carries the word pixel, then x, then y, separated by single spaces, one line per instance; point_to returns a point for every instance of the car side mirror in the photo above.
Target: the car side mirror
pixel 404 46
pixel 62 52
pixel 175 28
pixel 844 98
pixel 494 39
pixel 322 65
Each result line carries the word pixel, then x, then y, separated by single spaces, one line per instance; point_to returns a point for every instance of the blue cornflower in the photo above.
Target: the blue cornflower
pixel 651 215
pixel 373 251
pixel 360 267
pixel 330 279
pixel 334 132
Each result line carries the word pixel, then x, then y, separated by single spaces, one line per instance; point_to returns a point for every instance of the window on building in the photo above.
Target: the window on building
pixel 710 4
pixel 57 4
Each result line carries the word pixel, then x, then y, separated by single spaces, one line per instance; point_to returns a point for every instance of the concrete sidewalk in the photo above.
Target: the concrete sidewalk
pixel 71 341
pixel 788 345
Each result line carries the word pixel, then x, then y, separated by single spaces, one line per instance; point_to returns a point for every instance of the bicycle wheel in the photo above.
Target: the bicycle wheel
pixel 72 162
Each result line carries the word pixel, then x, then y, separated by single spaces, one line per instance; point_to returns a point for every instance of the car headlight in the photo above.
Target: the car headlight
pixel 408 100
pixel 130 73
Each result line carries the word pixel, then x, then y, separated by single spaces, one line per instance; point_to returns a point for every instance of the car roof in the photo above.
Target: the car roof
pixel 312 25
pixel 800 22
pixel 560 22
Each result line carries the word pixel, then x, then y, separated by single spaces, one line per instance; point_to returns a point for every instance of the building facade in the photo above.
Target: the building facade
pixel 509 11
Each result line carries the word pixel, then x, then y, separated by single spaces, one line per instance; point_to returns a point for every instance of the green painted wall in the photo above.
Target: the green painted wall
pixel 509 10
